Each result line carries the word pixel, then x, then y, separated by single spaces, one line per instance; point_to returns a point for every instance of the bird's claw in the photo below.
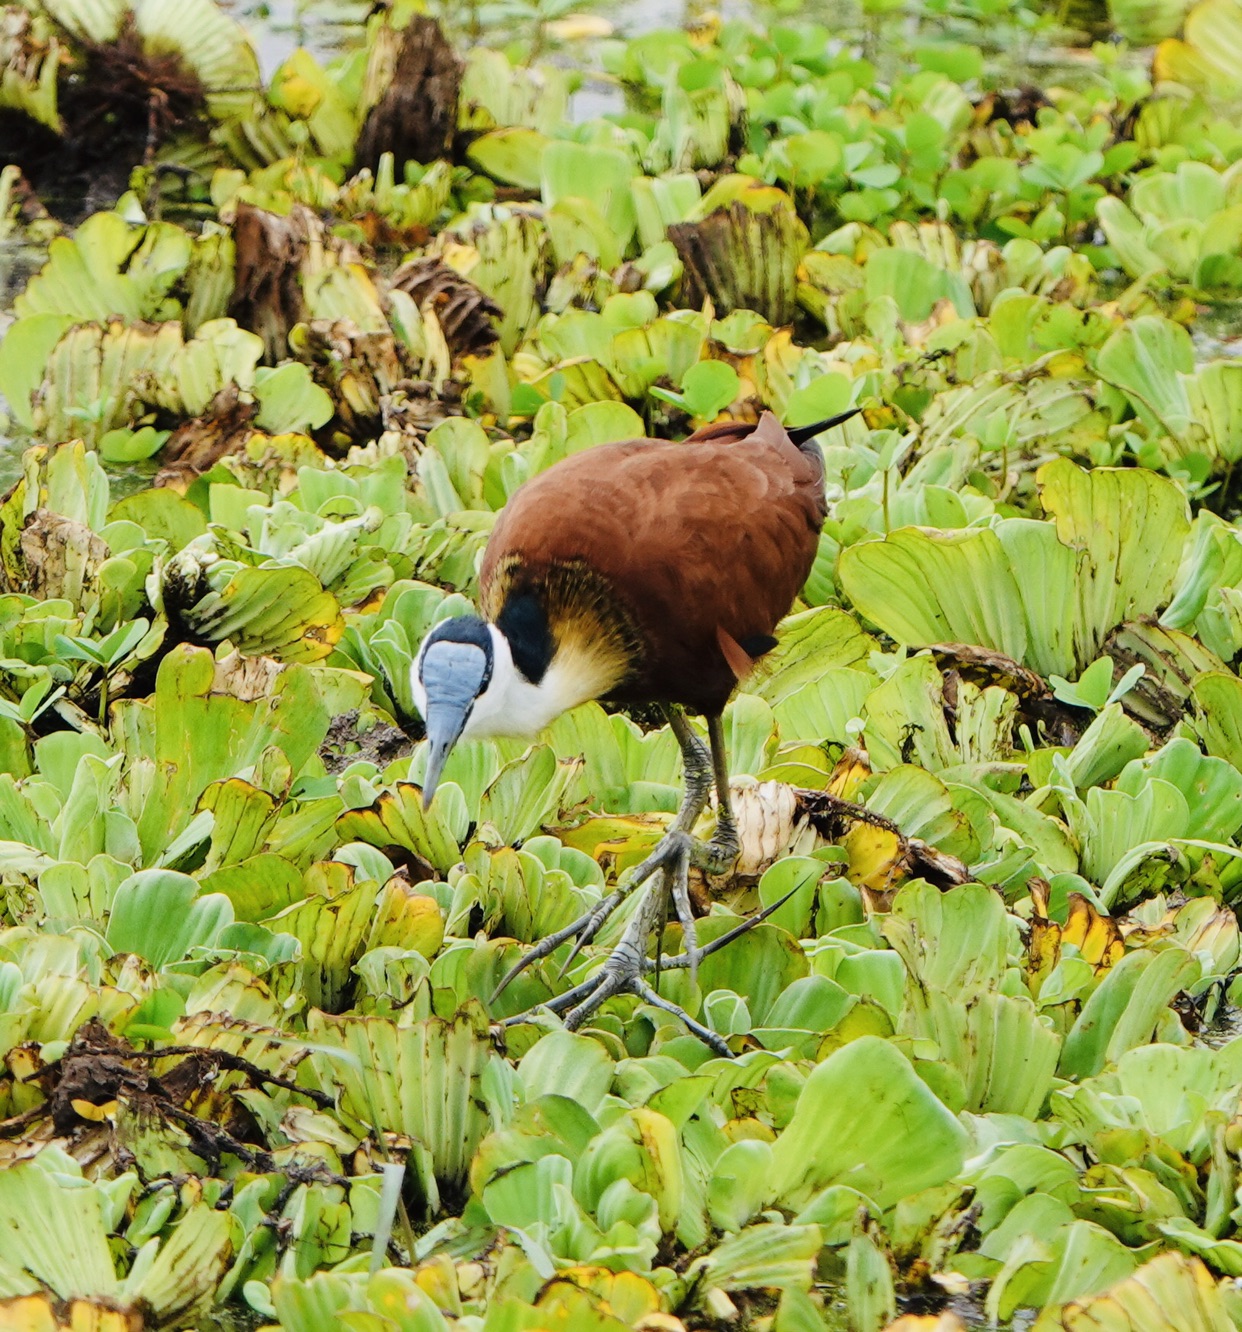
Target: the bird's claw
pixel 670 856
pixel 624 970
pixel 621 974
pixel 674 849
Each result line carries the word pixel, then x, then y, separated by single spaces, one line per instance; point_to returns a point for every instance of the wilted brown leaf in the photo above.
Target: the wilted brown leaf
pixel 358 369
pixel 413 78
pixel 1171 660
pixel 880 853
pixel 247 678
pixel 466 314
pixel 61 556
pixel 267 291
pixel 733 256
pixel 983 666
pixel 198 444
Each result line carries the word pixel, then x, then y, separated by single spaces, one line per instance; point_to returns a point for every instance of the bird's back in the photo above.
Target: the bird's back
pixel 665 565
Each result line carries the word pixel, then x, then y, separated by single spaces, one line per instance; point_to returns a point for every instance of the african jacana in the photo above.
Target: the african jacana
pixel 638 572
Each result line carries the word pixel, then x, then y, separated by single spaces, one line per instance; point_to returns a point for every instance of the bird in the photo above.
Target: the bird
pixel 640 572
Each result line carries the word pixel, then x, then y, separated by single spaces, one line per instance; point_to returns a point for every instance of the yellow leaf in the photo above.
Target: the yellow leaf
pixel 945 1322
pixel 298 96
pixel 568 1308
pixel 36 1313
pixel 579 27
pixel 622 840
pixel 1096 937
pixel 95 1113
pixel 852 769
pixel 1170 1291
pixel 877 860
pixel 406 918
pixel 626 1294
pixel 1044 950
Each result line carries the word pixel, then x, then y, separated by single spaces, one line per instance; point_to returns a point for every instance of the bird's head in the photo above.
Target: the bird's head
pixel 472 679
pixel 454 670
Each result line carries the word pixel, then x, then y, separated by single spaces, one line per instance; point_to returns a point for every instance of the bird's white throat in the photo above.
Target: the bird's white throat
pixel 511 705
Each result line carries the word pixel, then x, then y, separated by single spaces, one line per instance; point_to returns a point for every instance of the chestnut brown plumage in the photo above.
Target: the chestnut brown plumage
pixel 681 551
pixel 637 572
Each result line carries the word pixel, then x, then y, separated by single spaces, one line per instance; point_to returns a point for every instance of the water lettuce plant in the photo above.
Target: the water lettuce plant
pixel 267 390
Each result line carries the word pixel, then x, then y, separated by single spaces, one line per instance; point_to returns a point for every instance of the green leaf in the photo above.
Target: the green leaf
pixel 24 354
pixel 159 915
pixel 708 387
pixel 869 1293
pixel 864 1118
pixel 132 445
pixel 826 395
pixel 1146 358
pixel 289 400
pixel 421 1079
pixel 512 155
pixel 54 1232
pixel 601 175
pixel 563 1063
pixel 163 515
pixel 1125 1009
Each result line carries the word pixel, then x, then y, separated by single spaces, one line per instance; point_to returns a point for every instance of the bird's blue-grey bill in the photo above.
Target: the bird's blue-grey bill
pixel 452 677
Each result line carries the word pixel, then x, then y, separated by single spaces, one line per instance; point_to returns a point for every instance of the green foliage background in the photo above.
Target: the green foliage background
pixel 983 1059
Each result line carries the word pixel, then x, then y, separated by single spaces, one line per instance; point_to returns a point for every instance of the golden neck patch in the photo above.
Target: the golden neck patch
pixel 597 646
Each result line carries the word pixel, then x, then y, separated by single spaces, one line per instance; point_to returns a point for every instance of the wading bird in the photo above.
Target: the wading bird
pixel 640 572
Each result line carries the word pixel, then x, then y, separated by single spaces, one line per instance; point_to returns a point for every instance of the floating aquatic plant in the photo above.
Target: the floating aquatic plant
pixel 268 402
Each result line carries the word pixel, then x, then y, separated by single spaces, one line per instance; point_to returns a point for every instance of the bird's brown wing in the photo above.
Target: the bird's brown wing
pixel 656 550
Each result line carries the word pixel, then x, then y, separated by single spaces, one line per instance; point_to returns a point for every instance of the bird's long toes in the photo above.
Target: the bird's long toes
pixel 622 973
pixel 590 925
pixel 623 970
pixel 626 978
pixel 713 1040
pixel 538 952
pixel 685 914
pixel 607 983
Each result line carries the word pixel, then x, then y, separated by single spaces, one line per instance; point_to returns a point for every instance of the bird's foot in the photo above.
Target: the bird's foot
pixel 664 873
pixel 670 859
pixel 625 970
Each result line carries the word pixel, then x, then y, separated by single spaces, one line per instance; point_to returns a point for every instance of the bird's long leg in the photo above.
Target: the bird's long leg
pixel 665 872
pixel 672 847
pixel 713 857
pixel 723 849
pixel 623 973
pixel 677 876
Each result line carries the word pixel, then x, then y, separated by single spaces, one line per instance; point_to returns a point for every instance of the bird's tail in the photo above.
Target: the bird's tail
pixel 803 434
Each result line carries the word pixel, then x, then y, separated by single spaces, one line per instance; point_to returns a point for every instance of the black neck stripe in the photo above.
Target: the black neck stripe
pixel 524 623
